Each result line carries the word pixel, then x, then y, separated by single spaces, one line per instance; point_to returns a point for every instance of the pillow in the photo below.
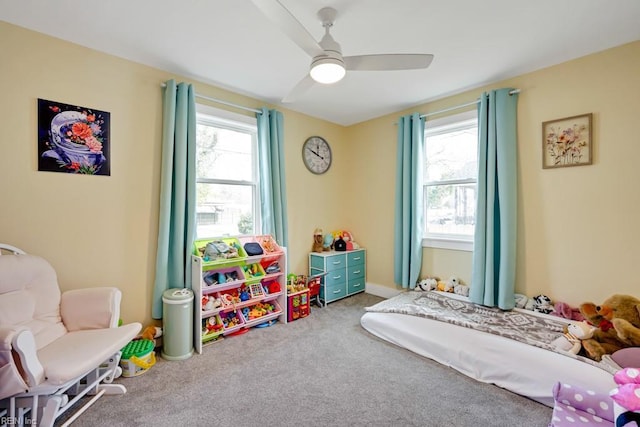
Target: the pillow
pixel 581 399
pixel 627 376
pixel 627 357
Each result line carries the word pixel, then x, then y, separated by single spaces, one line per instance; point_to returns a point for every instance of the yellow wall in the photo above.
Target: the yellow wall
pixel 575 224
pixel 97 230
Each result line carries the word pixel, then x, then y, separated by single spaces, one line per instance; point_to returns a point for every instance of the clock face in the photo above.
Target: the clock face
pixel 316 154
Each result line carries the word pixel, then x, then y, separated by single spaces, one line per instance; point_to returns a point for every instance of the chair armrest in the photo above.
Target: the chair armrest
pixel 91 308
pixel 19 364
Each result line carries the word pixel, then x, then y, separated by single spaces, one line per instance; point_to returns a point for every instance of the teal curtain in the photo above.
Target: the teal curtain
pixel 176 227
pixel 273 192
pixel 409 206
pixel 494 247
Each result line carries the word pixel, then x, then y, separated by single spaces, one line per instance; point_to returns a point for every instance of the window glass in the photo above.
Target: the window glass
pixel 226 175
pixel 224 209
pixel 451 210
pixel 223 153
pixel 453 154
pixel 451 167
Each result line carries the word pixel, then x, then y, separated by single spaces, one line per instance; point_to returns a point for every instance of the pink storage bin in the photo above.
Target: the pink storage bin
pixel 214 278
pixel 230 325
pixel 271 249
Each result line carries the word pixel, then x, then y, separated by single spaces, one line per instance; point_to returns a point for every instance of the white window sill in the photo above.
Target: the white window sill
pixel 445 243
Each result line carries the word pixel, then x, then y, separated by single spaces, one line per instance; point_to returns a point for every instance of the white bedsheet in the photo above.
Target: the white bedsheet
pixel 524 369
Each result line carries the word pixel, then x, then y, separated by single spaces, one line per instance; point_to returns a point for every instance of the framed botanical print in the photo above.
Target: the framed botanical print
pixel 567 142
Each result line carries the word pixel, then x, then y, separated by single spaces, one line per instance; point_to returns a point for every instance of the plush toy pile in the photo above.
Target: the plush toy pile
pixel 544 304
pixel 605 329
pixel 450 285
pixel 617 322
pixel 328 241
pixel 595 330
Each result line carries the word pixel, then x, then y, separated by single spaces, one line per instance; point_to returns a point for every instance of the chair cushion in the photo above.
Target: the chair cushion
pixel 76 353
pixel 29 296
pixel 90 308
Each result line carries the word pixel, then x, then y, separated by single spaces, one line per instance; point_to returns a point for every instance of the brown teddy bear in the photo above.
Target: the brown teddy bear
pixel 318 239
pixel 618 325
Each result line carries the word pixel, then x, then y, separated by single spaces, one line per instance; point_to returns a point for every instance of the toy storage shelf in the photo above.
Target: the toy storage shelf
pixel 224 278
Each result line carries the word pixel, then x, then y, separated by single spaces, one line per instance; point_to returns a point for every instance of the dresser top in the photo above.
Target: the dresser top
pixel 332 252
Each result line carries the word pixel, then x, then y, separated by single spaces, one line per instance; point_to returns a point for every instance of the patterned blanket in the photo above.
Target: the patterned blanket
pixel 532 329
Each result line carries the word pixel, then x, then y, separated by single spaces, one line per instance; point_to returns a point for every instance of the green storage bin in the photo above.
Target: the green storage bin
pixel 177 324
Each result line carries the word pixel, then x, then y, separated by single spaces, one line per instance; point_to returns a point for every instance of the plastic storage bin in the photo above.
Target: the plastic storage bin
pixel 211 328
pixel 237 256
pixel 272 251
pixel 213 277
pixel 177 324
pixel 232 320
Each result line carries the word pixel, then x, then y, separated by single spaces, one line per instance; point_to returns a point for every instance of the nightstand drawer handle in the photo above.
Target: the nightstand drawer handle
pixel 356 258
pixel 356 272
pixel 337 262
pixel 337 291
pixel 337 277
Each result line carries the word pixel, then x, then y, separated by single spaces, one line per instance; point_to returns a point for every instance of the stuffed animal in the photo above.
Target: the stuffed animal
pixel 327 244
pixel 542 304
pixel 348 243
pixel 618 325
pixel 575 332
pixel 523 301
pixel 318 241
pixel 151 333
pixel 348 238
pixel 210 303
pixel 562 309
pixel 428 284
pixel 461 289
pixel 449 284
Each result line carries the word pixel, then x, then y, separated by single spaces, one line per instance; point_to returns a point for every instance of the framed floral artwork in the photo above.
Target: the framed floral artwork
pixel 73 139
pixel 567 142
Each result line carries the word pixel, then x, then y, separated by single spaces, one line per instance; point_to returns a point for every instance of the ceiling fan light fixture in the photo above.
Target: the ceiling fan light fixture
pixel 327 70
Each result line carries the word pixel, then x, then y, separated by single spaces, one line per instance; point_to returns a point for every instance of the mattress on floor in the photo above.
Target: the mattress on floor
pixel 522 368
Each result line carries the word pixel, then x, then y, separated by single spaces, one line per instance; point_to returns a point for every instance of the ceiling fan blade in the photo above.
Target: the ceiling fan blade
pixel 387 62
pixel 303 85
pixel 288 24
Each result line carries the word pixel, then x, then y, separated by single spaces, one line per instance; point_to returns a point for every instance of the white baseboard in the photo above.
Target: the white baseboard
pixel 381 291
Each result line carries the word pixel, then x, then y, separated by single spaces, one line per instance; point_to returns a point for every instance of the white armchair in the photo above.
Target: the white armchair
pixel 54 348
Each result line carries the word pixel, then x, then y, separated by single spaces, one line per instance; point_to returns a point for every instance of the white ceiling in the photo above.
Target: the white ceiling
pixel 231 44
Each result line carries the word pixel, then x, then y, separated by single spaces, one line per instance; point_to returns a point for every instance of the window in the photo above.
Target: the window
pixel 226 174
pixel 450 175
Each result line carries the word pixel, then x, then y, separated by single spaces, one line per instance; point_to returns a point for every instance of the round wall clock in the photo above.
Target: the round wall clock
pixel 316 154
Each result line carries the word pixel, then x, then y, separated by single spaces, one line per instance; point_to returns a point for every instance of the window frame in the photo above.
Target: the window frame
pixel 225 119
pixel 434 127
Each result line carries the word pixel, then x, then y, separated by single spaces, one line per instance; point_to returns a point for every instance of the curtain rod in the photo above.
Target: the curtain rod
pixel 457 107
pixel 220 101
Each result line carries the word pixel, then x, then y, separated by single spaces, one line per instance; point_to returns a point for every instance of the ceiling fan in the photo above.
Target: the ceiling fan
pixel 327 64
